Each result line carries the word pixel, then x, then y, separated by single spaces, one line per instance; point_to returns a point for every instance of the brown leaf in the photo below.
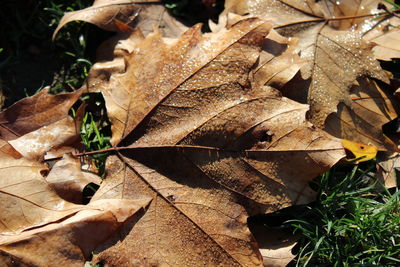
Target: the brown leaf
pixel 32 113
pixel 27 199
pixel 332 49
pixel 207 144
pixel 275 245
pixel 156 16
pixel 70 241
pixel 35 221
pixel 68 180
pixel 35 144
pixel 388 167
pixel 381 30
pixel 109 14
pixel 279 61
pixel 139 83
pixel 7 150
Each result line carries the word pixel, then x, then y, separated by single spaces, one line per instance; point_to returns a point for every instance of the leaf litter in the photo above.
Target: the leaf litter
pixel 204 136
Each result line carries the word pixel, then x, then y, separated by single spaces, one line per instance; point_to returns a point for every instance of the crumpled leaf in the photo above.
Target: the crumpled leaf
pixel 38 227
pixel 388 169
pixel 278 62
pixel 332 49
pixel 69 242
pixel 275 245
pixel 110 15
pixel 206 143
pixel 27 199
pixel 35 144
pixel 32 113
pixel 382 30
pixel 68 180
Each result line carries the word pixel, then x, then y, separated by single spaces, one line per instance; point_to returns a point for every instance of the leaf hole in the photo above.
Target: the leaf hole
pixel 349 154
pixel 44 173
pixel 266 136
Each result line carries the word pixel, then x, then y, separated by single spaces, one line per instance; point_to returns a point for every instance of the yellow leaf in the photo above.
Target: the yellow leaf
pixel 357 151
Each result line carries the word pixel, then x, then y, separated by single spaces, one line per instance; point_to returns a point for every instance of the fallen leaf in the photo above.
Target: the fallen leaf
pixel 275 245
pixel 388 169
pixel 278 62
pixel 157 16
pixel 36 221
pixel 32 113
pixel 206 143
pixel 71 241
pixel 140 82
pixel 110 15
pixel 68 180
pixel 332 48
pixel 360 152
pixel 35 144
pixel 27 199
pixel 381 30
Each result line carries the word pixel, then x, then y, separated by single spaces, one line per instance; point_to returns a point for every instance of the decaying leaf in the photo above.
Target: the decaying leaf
pixel 359 151
pixel 69 242
pixel 140 82
pixel 27 199
pixel 338 77
pixel 68 180
pixel 32 113
pixel 35 144
pixel 37 226
pixel 275 245
pixel 112 15
pixel 388 169
pixel 208 144
pixel 203 137
pixel 382 30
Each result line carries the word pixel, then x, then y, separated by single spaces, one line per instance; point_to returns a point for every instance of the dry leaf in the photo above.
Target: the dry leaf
pixel 155 68
pixel 32 113
pixel 278 62
pixel 388 167
pixel 69 242
pixel 360 152
pixel 38 227
pixel 206 143
pixel 35 144
pixel 110 14
pixel 27 199
pixel 68 180
pixel 275 245
pixel 382 30
pixel 332 49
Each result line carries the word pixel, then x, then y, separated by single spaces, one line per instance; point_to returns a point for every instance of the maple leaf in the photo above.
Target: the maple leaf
pixel 202 140
pixel 207 144
pixel 354 106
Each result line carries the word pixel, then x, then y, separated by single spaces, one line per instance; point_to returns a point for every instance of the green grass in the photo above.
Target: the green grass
pixel 30 60
pixel 96 129
pixel 354 222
